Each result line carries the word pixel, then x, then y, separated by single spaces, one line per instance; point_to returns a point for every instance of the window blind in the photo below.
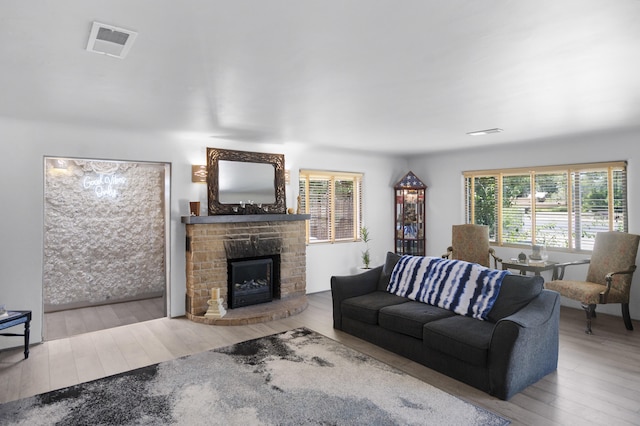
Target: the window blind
pixel 562 207
pixel 334 200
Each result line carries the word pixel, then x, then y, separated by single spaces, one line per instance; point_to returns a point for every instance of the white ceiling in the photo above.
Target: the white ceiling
pixel 397 76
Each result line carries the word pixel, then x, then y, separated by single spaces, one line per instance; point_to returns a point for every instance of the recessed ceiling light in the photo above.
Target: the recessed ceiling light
pixel 484 132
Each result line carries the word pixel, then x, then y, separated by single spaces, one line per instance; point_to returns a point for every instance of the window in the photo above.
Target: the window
pixel 559 206
pixel 334 201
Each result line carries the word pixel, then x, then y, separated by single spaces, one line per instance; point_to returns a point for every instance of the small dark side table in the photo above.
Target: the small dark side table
pixel 15 318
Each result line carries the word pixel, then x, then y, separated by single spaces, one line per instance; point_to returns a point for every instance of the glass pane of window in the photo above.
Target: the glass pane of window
pixel 592 206
pixel 468 198
pixel 516 209
pixel 551 214
pixel 619 200
pixel 319 225
pixel 343 210
pixel 485 209
pixel 302 194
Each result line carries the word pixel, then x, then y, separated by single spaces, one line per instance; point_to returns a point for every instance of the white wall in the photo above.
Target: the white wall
pixel 25 144
pixel 445 196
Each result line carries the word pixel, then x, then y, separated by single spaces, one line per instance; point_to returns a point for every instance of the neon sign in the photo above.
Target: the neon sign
pixel 104 185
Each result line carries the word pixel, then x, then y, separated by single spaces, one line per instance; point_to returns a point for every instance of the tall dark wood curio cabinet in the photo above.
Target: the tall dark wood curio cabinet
pixel 409 201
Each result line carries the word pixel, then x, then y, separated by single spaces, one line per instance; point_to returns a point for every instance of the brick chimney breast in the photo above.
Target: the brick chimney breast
pixel 212 241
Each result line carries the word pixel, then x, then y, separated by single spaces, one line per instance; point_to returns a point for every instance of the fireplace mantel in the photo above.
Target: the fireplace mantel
pixel 243 218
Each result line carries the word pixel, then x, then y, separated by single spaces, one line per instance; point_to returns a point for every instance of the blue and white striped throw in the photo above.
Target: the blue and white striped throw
pixel 462 287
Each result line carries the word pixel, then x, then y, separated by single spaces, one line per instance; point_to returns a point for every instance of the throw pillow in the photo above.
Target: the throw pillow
pixel 515 293
pixel 387 269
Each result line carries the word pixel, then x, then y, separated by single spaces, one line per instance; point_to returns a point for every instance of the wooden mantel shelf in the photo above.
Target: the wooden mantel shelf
pixel 243 218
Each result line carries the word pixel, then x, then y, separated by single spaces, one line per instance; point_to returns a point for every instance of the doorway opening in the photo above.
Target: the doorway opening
pixel 105 254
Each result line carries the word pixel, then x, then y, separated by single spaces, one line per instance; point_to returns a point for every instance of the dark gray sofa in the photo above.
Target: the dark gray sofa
pixel 515 348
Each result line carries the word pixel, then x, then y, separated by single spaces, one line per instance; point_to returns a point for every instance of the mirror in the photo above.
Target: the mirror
pixel 241 182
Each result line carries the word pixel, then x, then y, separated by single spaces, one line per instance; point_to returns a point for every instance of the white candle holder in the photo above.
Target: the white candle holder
pixel 216 310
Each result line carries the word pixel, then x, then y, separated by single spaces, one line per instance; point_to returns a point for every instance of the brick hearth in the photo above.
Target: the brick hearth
pixel 206 263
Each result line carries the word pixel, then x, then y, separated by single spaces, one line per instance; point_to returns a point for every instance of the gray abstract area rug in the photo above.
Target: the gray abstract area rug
pixel 298 377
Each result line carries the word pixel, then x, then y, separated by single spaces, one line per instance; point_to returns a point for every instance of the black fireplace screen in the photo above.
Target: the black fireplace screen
pixel 250 281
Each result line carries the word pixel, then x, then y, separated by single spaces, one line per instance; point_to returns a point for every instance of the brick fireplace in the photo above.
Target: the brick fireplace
pixel 213 241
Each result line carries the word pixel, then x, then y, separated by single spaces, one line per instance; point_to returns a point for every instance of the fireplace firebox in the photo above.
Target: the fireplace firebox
pixel 252 280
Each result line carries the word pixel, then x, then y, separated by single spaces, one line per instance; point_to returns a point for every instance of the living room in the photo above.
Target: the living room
pixel 584 113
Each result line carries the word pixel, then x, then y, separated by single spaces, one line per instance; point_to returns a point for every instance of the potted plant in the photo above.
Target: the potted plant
pixel 366 257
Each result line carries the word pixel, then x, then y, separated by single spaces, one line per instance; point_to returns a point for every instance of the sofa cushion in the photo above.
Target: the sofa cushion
pixel 464 338
pixel 365 308
pixel 387 269
pixel 515 293
pixel 409 318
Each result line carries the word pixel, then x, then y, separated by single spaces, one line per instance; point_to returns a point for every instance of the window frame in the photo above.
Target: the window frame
pixel 306 176
pixel 574 212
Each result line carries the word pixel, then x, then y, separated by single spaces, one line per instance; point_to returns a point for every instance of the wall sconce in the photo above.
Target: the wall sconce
pixel 199 174
pixel 287 178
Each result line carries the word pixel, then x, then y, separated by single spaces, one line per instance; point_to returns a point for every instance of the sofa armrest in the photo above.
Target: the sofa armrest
pixel 524 346
pixel 346 286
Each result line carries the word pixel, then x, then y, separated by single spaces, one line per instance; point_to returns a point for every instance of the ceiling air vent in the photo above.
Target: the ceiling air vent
pixel 109 40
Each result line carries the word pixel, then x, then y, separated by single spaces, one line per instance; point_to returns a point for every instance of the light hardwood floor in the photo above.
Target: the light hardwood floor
pixel 83 320
pixel 597 381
